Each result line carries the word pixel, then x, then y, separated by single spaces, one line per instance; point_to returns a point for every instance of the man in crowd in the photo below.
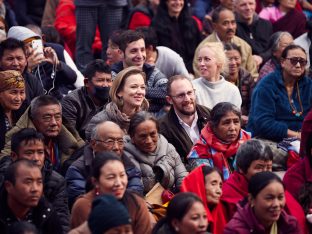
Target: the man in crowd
pixel 106 136
pixel 29 144
pixel 45 115
pixel 21 199
pixel 183 123
pixel 82 104
pixel 13 57
pixel 224 26
pixel 133 47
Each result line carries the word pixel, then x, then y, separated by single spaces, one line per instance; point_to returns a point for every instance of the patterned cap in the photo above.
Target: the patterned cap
pixel 11 79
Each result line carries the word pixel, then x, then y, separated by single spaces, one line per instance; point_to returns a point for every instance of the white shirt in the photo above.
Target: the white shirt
pixel 192 131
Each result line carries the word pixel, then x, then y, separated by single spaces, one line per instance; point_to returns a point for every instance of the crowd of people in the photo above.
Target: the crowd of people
pixel 155 116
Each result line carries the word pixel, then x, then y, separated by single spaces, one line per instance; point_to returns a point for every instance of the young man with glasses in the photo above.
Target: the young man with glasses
pixel 183 123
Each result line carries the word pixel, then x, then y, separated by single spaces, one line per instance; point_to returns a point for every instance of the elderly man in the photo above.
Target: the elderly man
pixel 106 136
pixel 224 25
pixel 45 115
pixel 22 200
pixel 183 123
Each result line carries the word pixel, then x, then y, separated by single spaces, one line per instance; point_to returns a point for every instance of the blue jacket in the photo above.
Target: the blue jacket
pixel 271 115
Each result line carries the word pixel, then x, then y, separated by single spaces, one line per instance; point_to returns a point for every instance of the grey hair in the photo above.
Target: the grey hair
pixel 40 101
pixel 95 130
pixel 274 41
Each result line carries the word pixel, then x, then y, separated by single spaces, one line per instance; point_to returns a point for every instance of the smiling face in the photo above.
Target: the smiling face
pixel 226 25
pixel 135 54
pixel 145 137
pixel 13 60
pixel 175 7
pixel 269 203
pixel 213 186
pixel 235 60
pixel 12 99
pixel 290 70
pixel 245 9
pixel 228 128
pixel 208 65
pixel 287 5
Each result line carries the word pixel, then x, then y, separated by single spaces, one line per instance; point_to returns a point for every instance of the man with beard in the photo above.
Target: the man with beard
pixel 183 123
pixel 82 104
pixel 224 26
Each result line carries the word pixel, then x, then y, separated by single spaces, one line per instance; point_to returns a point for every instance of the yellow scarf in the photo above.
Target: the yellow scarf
pixel 274 228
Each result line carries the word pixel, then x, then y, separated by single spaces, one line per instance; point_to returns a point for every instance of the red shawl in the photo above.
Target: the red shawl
pixel 195 183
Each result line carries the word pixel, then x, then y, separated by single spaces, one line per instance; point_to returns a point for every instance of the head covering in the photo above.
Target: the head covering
pixel 22 33
pixel 107 212
pixel 11 79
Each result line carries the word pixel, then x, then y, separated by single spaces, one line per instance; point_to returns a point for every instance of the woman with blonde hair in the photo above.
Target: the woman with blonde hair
pixel 127 96
pixel 211 88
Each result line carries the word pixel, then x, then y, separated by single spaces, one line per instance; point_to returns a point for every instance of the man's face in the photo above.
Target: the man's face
pixel 135 54
pixel 226 26
pixel 100 79
pixel 113 53
pixel 291 66
pixel 182 97
pixel 245 9
pixel 13 60
pixel 32 150
pixel 28 187
pixel 48 120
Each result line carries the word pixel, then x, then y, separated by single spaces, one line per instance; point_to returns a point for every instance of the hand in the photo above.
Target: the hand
pixel 258 60
pixel 34 59
pixel 50 56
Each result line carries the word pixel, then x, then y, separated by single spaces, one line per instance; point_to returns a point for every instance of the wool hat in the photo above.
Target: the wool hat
pixel 107 212
pixel 22 33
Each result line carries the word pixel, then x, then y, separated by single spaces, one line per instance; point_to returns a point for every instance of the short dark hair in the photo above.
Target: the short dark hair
pixel 150 36
pixel 232 46
pixel 40 101
pixel 291 47
pixel 139 118
pixel 25 135
pixel 10 173
pixel 207 170
pixel 11 44
pixel 250 151
pixel 128 37
pixel 220 110
pixel 23 227
pixel 174 78
pixel 97 65
pixel 216 13
pixel 115 36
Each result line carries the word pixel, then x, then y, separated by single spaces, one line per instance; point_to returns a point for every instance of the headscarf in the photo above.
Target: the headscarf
pixel 11 79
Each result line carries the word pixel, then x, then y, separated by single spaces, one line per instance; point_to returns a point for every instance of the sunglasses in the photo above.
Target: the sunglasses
pixel 295 60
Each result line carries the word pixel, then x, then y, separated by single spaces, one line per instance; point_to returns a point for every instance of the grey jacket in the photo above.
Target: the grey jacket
pixel 164 158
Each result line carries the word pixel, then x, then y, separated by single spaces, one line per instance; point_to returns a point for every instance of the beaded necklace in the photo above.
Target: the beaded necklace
pixel 292 104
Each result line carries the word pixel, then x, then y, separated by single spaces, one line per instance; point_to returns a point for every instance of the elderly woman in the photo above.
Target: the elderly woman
pixel 284 17
pixel 219 139
pixel 277 43
pixel 12 96
pixel 176 29
pixel 128 97
pixel 153 155
pixel 264 212
pixel 211 88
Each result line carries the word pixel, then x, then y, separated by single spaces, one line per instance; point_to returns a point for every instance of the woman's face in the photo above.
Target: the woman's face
pixel 213 186
pixel 194 221
pixel 175 7
pixel 284 41
pixel 228 128
pixel 12 99
pixel 235 60
pixel 113 179
pixel 287 4
pixel 269 202
pixel 122 229
pixel 207 64
pixel 133 91
pixel 145 137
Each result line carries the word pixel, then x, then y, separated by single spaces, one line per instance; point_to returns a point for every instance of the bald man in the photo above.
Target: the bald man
pixel 106 136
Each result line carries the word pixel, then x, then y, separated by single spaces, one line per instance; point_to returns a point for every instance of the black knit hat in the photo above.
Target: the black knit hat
pixel 107 212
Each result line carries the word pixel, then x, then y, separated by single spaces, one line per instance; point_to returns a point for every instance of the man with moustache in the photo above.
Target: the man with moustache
pixel 132 45
pixel 21 199
pixel 183 123
pixel 224 25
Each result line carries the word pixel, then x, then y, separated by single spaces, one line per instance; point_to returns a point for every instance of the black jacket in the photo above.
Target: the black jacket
pixel 54 189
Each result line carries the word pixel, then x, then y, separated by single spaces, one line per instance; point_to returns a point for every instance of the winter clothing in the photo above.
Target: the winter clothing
pixel 305 131
pixel 29 11
pixel 139 16
pixel 165 158
pixel 210 150
pixel 171 128
pixel 271 113
pixel 195 183
pixel 270 66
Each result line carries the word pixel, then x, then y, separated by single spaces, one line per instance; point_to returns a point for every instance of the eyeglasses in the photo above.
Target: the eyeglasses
pixel 182 96
pixel 295 60
pixel 111 142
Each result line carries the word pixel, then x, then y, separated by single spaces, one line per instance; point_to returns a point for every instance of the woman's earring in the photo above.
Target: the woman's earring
pixel 97 192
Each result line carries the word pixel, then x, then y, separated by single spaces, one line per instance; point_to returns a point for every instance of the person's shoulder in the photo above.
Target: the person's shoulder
pixel 241 42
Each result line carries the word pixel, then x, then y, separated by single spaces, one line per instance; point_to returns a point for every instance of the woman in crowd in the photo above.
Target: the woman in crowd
pixel 12 96
pixel 211 87
pixel 128 97
pixel 239 77
pixel 186 214
pixel 157 159
pixel 109 177
pixel 284 17
pixel 278 42
pixel 206 182
pixel 264 211
pixel 176 29
pixel 219 139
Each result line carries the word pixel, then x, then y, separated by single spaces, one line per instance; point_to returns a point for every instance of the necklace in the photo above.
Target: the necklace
pixel 292 104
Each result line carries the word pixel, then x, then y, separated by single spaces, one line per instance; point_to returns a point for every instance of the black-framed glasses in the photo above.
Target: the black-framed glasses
pixel 182 96
pixel 111 142
pixel 295 60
